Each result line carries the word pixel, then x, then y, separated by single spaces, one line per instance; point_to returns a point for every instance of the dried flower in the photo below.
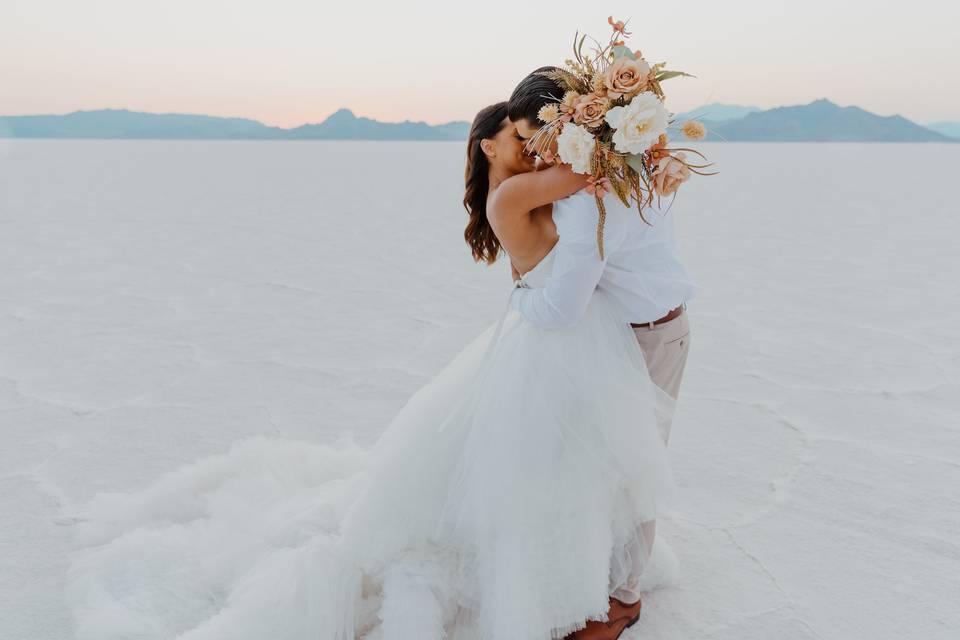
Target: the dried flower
pixel 599 84
pixel 569 103
pixel 657 151
pixel 625 77
pixel 670 174
pixel 694 130
pixel 619 26
pixel 549 112
pixel 598 187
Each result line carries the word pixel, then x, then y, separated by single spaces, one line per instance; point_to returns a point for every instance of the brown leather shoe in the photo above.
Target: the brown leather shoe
pixel 620 617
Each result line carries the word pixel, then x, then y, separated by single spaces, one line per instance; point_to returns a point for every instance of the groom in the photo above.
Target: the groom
pixel 641 272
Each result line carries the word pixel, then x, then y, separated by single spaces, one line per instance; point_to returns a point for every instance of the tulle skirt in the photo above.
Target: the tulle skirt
pixel 503 502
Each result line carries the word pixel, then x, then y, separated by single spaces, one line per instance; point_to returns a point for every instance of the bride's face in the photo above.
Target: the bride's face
pixel 526 131
pixel 506 150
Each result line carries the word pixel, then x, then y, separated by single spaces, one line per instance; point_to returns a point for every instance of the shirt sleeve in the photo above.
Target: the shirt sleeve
pixel 577 270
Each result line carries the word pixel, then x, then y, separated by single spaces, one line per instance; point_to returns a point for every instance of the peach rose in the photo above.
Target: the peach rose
pixel 626 77
pixel 589 110
pixel 670 174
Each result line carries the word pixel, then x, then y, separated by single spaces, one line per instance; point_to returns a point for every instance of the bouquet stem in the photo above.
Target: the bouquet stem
pixel 602 209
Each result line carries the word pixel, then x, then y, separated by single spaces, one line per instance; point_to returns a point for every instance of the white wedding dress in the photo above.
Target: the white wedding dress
pixel 503 502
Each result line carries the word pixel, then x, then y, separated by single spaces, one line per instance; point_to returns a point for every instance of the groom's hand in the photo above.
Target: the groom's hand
pixel 542 163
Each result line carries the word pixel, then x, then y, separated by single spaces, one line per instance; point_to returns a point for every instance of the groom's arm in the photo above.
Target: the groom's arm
pixel 577 267
pixel 564 299
pixel 576 271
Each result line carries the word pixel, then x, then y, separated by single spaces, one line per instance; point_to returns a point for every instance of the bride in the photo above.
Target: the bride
pixel 503 502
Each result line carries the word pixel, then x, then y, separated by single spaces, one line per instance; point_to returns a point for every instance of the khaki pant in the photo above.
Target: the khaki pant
pixel 665 350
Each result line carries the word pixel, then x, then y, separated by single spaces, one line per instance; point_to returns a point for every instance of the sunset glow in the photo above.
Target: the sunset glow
pixel 294 61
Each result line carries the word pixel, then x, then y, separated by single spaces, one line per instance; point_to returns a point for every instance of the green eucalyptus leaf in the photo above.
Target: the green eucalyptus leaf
pixel 621 51
pixel 635 162
pixel 666 75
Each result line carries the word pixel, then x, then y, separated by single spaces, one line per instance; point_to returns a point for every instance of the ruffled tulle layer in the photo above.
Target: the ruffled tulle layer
pixel 504 502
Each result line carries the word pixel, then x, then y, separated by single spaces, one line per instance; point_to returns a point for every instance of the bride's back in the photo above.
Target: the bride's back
pixel 528 241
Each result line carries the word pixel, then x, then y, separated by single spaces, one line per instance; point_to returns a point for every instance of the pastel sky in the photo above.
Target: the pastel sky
pixel 286 62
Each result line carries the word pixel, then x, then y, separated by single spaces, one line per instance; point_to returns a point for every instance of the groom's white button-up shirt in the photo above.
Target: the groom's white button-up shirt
pixel 641 271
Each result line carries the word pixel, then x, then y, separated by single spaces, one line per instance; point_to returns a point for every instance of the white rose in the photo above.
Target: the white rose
pixel 639 124
pixel 575 146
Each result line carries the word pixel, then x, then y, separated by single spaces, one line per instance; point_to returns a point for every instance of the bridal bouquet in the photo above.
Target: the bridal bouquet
pixel 611 123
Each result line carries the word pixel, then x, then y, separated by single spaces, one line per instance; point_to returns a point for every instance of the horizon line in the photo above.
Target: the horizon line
pixel 410 121
pixel 407 119
pixel 209 115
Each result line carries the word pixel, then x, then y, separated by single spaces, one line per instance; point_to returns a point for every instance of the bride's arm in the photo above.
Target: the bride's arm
pixel 525 192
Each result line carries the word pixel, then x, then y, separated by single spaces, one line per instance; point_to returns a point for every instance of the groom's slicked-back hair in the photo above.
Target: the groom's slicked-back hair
pixel 531 94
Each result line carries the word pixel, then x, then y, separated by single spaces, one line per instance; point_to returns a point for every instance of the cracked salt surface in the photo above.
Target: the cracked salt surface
pixel 160 300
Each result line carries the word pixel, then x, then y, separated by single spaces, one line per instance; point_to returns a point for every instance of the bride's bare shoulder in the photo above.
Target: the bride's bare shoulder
pixel 501 205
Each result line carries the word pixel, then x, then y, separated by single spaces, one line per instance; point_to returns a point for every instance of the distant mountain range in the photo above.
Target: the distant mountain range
pixel 121 123
pixel 819 121
pixel 951 129
pixel 718 112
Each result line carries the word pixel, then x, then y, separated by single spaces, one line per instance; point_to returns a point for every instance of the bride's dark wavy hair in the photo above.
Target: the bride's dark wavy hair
pixel 479 234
